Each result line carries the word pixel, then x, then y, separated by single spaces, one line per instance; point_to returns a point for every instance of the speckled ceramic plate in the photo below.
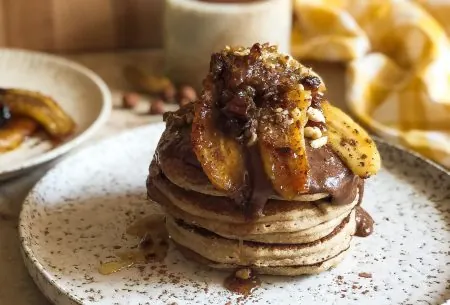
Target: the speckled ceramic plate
pixel 77 215
pixel 77 90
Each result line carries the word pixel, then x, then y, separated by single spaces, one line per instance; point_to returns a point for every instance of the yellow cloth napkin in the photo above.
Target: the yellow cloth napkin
pixel 399 64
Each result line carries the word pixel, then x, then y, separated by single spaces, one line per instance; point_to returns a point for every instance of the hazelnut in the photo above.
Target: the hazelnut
pixel 169 93
pixel 319 142
pixel 157 107
pixel 130 100
pixel 315 115
pixel 187 93
pixel 313 132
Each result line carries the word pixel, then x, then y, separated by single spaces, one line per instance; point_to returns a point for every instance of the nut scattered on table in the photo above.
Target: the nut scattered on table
pixel 157 107
pixel 159 87
pixel 145 82
pixel 187 92
pixel 130 100
pixel 169 94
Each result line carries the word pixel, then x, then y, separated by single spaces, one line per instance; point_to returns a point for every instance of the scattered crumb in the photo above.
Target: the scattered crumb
pixel 365 275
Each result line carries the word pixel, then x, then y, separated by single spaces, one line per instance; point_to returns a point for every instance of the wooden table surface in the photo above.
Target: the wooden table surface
pixel 16 287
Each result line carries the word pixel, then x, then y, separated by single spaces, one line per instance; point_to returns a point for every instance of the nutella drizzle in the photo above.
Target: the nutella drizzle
pixel 364 223
pixel 261 187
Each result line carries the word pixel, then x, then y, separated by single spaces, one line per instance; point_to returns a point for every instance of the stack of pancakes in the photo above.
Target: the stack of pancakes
pixel 303 236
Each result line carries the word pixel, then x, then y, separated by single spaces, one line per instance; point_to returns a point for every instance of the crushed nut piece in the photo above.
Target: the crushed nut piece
pixel 319 142
pixel 279 109
pixel 313 132
pixel 252 139
pixel 315 115
pixel 244 274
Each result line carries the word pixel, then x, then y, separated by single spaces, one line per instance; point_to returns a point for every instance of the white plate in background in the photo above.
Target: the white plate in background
pixel 78 90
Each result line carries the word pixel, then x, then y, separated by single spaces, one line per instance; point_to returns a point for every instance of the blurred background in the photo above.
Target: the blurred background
pixel 82 25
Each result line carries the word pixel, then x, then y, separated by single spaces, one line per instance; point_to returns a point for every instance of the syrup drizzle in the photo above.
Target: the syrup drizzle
pixel 244 286
pixel 153 245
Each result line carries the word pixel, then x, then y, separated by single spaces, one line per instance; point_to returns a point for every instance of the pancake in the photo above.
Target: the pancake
pixel 261 172
pixel 191 178
pixel 257 234
pixel 278 270
pixel 277 216
pixel 245 253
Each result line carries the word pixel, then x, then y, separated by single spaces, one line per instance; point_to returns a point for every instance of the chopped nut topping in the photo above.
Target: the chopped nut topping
pixel 313 132
pixel 319 142
pixel 315 115
pixel 252 140
pixel 244 274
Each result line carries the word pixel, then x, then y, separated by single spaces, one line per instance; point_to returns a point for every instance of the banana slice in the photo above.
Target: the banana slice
pixel 15 132
pixel 40 108
pixel 221 157
pixel 351 142
pixel 282 148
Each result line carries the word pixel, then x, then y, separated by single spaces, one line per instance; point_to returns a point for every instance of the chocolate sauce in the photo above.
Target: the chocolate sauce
pixel 364 223
pixel 328 174
pixel 261 186
pixel 244 286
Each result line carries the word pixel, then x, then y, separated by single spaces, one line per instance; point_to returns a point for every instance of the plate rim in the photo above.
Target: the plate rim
pixel 100 120
pixel 36 269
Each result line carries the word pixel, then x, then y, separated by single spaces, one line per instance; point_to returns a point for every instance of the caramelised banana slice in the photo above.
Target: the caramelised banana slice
pixel 40 108
pixel 221 156
pixel 282 145
pixel 351 142
pixel 13 133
